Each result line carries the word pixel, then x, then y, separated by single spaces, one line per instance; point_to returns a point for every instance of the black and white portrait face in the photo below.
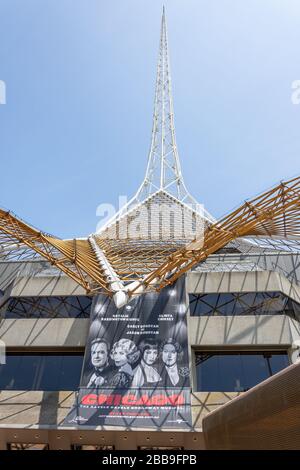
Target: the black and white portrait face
pixel 169 355
pixel 99 355
pixel 150 356
pixel 119 356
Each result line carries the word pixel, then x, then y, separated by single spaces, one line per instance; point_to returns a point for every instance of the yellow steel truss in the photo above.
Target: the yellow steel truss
pixel 275 213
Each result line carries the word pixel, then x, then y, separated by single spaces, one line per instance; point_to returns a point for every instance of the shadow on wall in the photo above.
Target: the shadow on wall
pixel 30 408
pixel 205 402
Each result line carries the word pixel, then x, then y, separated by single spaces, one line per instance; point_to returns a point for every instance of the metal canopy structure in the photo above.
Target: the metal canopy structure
pixel 162 232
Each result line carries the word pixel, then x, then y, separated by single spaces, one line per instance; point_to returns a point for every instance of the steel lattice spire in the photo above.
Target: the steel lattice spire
pixel 163 168
pixel 163 174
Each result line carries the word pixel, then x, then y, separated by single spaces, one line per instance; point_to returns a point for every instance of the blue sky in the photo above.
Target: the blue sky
pixel 80 75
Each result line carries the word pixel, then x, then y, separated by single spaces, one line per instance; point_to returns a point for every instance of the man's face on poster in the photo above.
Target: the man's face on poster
pixel 150 356
pixel 99 355
pixel 169 355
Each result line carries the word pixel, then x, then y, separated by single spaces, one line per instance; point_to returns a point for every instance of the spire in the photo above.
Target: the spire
pixel 163 175
pixel 163 168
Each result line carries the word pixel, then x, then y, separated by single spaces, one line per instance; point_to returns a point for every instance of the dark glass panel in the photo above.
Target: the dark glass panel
pixel 230 372
pixel 208 374
pixel 236 372
pixel 225 306
pixel 48 307
pixel 27 446
pixel 278 362
pixel 50 372
pixel 70 372
pixel 248 303
pixel 91 447
pixel 27 375
pixel 160 448
pixel 47 372
pixel 254 370
pixel 9 372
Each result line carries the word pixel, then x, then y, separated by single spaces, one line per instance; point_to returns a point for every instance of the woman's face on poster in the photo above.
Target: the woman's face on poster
pixel 150 356
pixel 169 355
pixel 119 356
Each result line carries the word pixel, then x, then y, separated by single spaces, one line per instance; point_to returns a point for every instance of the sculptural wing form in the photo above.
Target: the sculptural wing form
pixel 275 213
pixel 76 258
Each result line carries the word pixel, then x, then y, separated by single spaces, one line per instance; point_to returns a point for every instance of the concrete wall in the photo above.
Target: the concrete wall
pixel 251 281
pixel 44 332
pixel 260 330
pixel 205 402
pixel 45 285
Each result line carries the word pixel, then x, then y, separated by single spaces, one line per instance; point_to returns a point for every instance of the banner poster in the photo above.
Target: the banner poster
pixel 136 365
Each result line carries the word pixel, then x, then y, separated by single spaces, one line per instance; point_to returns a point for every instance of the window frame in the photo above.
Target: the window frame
pixel 45 351
pixel 284 349
pixel 241 293
pixel 61 300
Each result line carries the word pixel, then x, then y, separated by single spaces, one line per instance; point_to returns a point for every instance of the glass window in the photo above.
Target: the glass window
pixel 48 377
pixel 27 446
pixel 47 372
pixel 48 307
pixel 236 371
pixel 9 372
pixel 254 370
pixel 27 374
pixel 277 362
pixel 160 448
pixel 245 303
pixel 91 447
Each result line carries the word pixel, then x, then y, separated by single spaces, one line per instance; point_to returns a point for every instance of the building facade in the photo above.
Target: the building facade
pixel 243 324
pixel 241 300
